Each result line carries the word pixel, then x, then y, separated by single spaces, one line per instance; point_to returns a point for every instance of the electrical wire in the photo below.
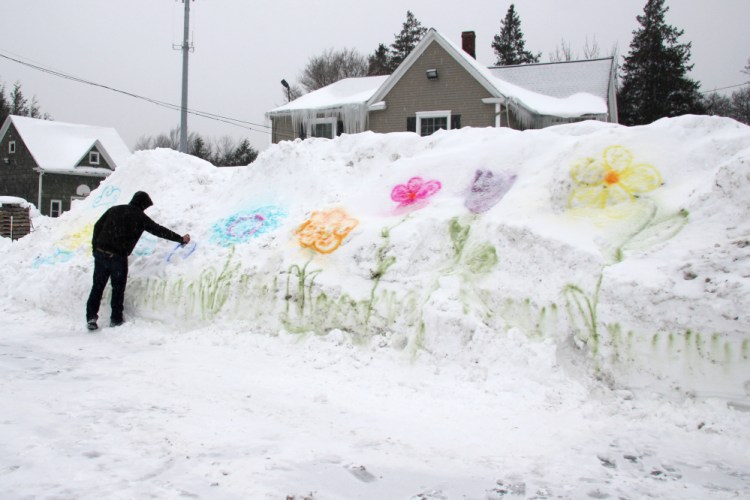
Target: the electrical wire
pixel 204 114
pixel 725 88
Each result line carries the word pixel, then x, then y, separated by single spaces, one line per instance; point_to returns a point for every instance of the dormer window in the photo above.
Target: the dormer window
pixel 11 147
pixel 93 158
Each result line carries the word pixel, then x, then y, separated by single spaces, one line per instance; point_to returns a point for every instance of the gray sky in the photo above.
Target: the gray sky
pixel 244 48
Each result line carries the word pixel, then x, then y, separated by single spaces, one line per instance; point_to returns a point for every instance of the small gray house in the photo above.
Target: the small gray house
pixel 442 86
pixel 51 163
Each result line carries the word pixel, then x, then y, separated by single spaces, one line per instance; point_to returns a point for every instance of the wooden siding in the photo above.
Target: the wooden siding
pixel 281 129
pixel 17 175
pixel 454 90
pixel 14 221
pixel 103 163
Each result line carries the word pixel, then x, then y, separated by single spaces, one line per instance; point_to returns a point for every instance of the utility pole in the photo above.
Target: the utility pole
pixel 186 48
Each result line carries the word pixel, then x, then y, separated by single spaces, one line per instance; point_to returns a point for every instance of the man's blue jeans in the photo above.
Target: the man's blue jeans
pixel 108 266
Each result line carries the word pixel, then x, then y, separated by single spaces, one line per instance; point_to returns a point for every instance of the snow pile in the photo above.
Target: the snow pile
pixel 625 248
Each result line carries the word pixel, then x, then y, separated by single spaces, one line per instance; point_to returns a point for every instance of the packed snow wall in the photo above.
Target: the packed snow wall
pixel 628 247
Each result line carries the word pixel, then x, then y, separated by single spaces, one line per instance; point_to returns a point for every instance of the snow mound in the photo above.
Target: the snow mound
pixel 627 248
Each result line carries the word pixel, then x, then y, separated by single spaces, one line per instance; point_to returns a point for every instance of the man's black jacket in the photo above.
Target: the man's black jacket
pixel 120 228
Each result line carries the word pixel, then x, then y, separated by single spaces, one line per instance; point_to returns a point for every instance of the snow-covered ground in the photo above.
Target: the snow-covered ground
pixel 481 314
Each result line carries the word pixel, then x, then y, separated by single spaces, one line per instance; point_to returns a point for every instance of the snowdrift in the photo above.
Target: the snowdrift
pixel 626 247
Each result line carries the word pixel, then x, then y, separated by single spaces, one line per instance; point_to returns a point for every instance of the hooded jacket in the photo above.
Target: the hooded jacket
pixel 120 228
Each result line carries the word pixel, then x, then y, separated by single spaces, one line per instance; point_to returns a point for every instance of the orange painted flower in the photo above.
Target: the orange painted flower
pixel 611 180
pixel 325 231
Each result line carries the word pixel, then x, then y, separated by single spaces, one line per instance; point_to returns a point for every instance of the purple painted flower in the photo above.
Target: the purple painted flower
pixel 414 191
pixel 487 189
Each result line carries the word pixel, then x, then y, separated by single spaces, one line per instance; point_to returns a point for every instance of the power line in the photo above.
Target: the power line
pixel 725 88
pixel 204 114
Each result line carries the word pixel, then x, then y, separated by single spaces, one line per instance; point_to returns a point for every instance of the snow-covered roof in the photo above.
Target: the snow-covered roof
pixel 59 147
pixel 575 103
pixel 570 89
pixel 341 93
pixel 561 79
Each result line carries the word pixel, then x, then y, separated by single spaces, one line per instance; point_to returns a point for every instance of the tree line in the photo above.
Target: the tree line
pixel 222 152
pixel 16 103
pixel 653 79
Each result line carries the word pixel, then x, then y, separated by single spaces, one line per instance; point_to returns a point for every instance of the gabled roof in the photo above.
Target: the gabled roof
pixel 59 147
pixel 583 85
pixel 577 103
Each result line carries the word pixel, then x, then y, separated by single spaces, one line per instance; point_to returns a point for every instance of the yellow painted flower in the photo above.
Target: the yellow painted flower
pixel 324 231
pixel 75 240
pixel 613 179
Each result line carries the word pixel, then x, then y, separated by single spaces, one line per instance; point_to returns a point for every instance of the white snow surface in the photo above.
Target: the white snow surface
pixel 526 348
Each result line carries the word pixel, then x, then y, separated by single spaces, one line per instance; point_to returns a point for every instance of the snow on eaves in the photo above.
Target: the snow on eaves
pixel 340 93
pixel 59 146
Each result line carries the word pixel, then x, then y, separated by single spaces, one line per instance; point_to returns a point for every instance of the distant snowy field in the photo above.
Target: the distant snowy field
pixel 482 313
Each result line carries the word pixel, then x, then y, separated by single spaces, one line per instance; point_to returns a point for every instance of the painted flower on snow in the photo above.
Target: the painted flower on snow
pixel 613 179
pixel 325 231
pixel 414 191
pixel 487 189
pixel 246 225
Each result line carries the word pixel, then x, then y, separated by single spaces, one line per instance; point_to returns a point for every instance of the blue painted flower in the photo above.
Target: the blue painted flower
pixel 246 225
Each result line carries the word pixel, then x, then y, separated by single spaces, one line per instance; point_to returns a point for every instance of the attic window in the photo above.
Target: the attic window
pixel 93 158
pixel 11 147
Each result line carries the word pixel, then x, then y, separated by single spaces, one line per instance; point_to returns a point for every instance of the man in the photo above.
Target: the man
pixel 115 235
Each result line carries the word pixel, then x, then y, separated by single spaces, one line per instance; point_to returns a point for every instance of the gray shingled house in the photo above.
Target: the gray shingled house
pixel 442 86
pixel 51 163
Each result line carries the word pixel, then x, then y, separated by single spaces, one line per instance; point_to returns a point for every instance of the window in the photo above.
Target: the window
pixel 323 127
pixel 11 147
pixel 428 122
pixel 93 158
pixel 55 208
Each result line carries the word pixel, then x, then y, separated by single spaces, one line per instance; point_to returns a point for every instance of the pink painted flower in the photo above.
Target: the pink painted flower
pixel 414 191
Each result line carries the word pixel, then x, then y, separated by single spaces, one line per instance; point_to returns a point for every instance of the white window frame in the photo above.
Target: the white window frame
pixel 432 114
pixel 52 204
pixel 11 147
pixel 317 121
pixel 94 158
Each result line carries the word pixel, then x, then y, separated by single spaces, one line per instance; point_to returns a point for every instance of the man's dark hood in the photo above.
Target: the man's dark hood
pixel 141 200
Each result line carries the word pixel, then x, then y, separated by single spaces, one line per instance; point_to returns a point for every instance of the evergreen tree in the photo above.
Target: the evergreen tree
pixel 654 81
pixel 379 63
pixel 200 149
pixel 411 33
pixel 18 102
pixel 509 44
pixel 245 154
pixel 4 105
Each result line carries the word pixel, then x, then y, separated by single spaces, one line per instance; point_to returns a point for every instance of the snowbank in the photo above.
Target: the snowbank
pixel 625 247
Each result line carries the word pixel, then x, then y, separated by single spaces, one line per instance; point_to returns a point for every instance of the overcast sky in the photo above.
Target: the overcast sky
pixel 244 48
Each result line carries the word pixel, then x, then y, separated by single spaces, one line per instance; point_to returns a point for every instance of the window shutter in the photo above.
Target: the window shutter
pixel 411 124
pixel 339 127
pixel 302 134
pixel 455 121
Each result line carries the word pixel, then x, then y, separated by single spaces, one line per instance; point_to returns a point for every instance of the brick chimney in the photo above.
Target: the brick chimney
pixel 468 43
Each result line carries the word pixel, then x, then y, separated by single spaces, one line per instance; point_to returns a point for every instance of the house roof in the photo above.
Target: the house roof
pixel 59 147
pixel 561 79
pixel 341 93
pixel 583 85
pixel 577 102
